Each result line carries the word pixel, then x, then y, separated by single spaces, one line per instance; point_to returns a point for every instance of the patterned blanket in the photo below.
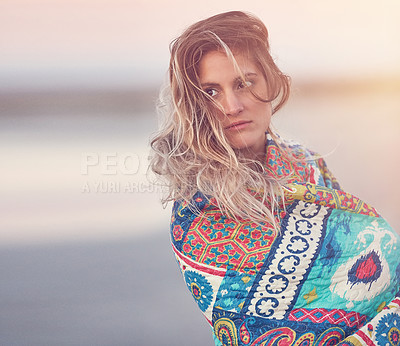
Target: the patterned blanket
pixel 331 276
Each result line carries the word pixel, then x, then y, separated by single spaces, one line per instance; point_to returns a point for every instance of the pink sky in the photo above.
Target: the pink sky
pixel 124 41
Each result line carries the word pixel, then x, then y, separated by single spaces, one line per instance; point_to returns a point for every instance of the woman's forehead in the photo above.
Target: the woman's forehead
pixel 216 63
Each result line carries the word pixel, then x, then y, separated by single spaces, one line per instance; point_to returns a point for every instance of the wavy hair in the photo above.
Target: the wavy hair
pixel 190 151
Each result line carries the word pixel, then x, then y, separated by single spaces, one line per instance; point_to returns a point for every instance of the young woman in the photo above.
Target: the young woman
pixel 272 250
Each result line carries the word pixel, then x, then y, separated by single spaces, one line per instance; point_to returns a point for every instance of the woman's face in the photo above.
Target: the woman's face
pixel 245 119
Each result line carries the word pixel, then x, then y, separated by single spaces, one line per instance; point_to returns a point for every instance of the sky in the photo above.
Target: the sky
pixel 106 43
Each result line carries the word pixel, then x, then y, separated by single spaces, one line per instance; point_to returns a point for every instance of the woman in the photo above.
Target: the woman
pixel 271 249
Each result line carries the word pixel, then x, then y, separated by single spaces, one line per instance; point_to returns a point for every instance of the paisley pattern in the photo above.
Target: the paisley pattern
pixel 328 277
pixel 225 331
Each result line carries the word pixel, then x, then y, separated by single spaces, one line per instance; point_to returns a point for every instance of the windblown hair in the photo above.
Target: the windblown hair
pixel 191 152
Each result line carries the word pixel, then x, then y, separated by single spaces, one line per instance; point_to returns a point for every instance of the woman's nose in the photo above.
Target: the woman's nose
pixel 232 104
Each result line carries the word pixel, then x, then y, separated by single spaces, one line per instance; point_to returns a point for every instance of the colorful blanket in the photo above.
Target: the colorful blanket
pixel 330 277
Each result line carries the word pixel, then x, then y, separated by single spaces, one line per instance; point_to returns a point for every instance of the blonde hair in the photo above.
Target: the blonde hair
pixel 191 152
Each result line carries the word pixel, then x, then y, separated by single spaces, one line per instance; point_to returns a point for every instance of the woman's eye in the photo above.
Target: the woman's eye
pixel 245 84
pixel 211 92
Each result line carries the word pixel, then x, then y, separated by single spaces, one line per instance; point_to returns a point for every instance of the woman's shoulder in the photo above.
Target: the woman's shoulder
pixel 290 160
pixel 290 147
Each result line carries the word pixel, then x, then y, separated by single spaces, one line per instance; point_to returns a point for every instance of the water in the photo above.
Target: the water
pixel 125 292
pixel 76 171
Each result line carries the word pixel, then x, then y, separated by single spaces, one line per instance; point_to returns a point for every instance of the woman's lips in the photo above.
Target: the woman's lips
pixel 238 125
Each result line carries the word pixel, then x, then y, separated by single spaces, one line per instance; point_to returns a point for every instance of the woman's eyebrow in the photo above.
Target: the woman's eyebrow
pixel 238 78
pixel 250 74
pixel 209 85
pixel 246 75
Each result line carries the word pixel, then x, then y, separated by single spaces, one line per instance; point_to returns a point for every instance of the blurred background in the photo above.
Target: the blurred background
pixel 84 241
